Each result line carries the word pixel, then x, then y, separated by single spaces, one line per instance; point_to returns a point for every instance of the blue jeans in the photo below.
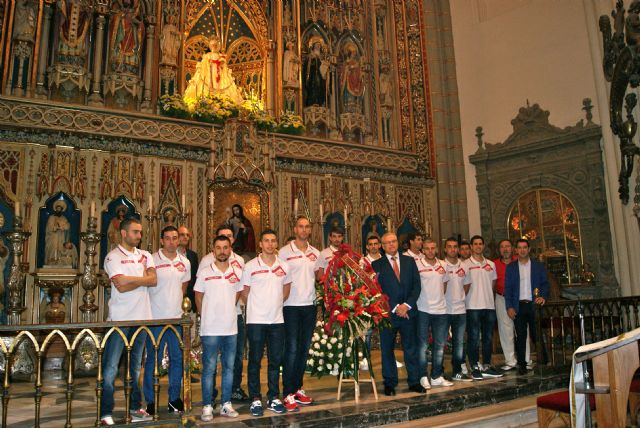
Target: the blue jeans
pixel 458 324
pixel 210 347
pixel 438 324
pixel 172 343
pixel 273 336
pixel 299 323
pixel 407 330
pixel 480 320
pixel 110 362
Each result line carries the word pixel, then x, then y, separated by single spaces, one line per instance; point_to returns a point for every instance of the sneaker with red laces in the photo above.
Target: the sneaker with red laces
pixel 302 398
pixel 290 403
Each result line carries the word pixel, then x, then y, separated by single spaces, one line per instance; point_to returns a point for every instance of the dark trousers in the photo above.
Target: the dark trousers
pixel 526 317
pixel 299 323
pixel 237 366
pixel 273 336
pixel 408 331
pixel 480 320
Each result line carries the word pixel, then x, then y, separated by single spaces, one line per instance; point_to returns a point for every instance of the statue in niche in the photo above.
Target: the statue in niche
pixel 25 19
pixel 290 66
pixel 57 234
pixel 169 216
pixel 125 36
pixel 53 311
pixel 69 255
pixel 4 256
pixel 170 41
pixel 386 86
pixel 314 76
pixel 113 231
pixel 75 19
pixel 351 80
pixel 213 76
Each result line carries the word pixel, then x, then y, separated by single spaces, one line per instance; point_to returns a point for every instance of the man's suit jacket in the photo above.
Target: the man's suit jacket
pixel 192 256
pixel 406 290
pixel 512 283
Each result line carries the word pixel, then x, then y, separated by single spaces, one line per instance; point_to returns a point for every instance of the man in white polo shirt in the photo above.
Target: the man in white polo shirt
pixel 416 242
pixel 299 313
pixel 336 237
pixel 481 312
pixel 267 285
pixel 217 290
pixel 174 273
pixel 432 312
pixel 455 297
pixel 131 271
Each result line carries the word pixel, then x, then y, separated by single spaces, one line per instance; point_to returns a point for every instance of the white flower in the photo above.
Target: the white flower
pixel 329 346
pixel 321 361
pixel 316 336
pixel 339 345
pixel 316 345
pixel 336 312
pixel 340 355
pixel 310 351
pixel 359 354
pixel 324 342
pixel 330 355
pixel 349 349
pixel 329 366
pixel 324 336
pixel 333 340
pixel 319 324
pixel 310 363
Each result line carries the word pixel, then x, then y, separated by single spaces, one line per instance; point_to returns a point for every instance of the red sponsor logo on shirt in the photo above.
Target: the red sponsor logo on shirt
pixel 312 257
pixel 487 267
pixel 279 271
pixel 236 264
pixel 211 278
pixel 258 272
pixel 127 261
pixel 163 266
pixel 294 258
pixel 143 259
pixel 180 266
pixel 440 270
pixel 232 278
pixel 460 272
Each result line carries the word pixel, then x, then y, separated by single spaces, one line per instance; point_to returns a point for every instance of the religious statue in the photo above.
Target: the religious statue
pixel 244 237
pixel 125 36
pixel 169 217
pixel 25 19
pixel 75 19
pixel 170 41
pixel 351 80
pixel 4 256
pixel 113 231
pixel 213 76
pixel 54 311
pixel 314 76
pixel 386 85
pixel 57 233
pixel 290 66
pixel 69 255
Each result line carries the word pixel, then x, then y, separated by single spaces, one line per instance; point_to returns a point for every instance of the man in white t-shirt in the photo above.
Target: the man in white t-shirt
pixel 131 271
pixel 455 298
pixel 481 312
pixel 416 242
pixel 237 262
pixel 336 238
pixel 173 271
pixel 432 312
pixel 267 285
pixel 299 313
pixel 217 290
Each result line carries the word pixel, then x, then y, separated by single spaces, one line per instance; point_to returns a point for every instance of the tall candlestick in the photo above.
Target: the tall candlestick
pixel 426 227
pixel 389 224
pixel 295 206
pixel 92 211
pixel 346 214
pixel 16 209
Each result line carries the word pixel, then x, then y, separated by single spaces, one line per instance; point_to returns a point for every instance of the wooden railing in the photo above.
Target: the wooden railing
pixel 40 338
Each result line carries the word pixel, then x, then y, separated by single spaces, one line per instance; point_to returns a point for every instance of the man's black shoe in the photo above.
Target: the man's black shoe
pixel 151 408
pixel 239 395
pixel 417 388
pixel 389 390
pixel 522 370
pixel 175 406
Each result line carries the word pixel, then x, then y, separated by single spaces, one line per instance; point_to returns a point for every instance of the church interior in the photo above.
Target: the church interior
pixel 508 119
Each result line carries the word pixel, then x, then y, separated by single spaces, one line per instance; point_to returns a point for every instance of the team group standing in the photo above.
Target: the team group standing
pixel 462 293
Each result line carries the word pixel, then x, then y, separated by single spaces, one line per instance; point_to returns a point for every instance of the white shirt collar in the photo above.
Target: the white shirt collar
pixel 135 251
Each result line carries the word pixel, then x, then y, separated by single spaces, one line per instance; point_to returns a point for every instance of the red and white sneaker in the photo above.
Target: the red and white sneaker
pixel 302 398
pixel 290 403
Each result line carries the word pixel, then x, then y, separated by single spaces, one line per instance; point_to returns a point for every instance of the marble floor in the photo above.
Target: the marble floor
pixel 327 410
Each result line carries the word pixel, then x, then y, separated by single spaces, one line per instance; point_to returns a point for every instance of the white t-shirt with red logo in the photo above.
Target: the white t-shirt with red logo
pixel 266 285
pixel 455 296
pixel 234 260
pixel 131 305
pixel 218 312
pixel 325 257
pixel 413 255
pixel 432 280
pixel 166 296
pixel 302 274
pixel 481 276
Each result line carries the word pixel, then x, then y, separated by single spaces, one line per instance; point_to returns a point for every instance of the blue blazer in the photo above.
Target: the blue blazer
pixel 406 290
pixel 512 283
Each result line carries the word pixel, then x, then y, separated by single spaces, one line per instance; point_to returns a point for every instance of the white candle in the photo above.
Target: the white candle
pixel 346 214
pixel 321 212
pixel 426 227
pixel 92 211
pixel 389 224
pixel 184 203
pixel 211 200
pixel 295 206
pixel 17 209
pixel 150 204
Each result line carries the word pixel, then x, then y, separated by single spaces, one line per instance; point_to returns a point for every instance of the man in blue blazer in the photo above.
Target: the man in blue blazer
pixel 400 281
pixel 525 284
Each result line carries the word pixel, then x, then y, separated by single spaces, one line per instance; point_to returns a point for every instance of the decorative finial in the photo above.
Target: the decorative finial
pixel 186 307
pixel 479 135
pixel 587 107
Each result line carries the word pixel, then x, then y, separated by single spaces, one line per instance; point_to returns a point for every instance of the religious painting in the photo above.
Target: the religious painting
pixel 117 210
pixel 6 224
pixel 405 228
pixel 371 226
pixel 58 233
pixel 242 212
pixel 332 220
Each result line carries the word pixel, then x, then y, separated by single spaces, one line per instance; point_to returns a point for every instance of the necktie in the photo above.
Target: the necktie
pixel 396 268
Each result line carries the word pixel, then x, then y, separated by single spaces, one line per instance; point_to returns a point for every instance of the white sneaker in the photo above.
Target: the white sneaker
pixel 227 410
pixel 364 365
pixel 507 367
pixel 530 365
pixel 399 364
pixel 463 369
pixel 424 382
pixel 441 381
pixel 107 420
pixel 207 413
pixel 140 416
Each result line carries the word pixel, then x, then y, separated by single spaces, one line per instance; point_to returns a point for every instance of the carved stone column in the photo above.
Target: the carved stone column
pixel 41 91
pixel 147 105
pixel 95 99
pixel 271 77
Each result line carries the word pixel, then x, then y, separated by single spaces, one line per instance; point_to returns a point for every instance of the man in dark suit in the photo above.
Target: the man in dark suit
pixel 184 236
pixel 525 284
pixel 400 282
